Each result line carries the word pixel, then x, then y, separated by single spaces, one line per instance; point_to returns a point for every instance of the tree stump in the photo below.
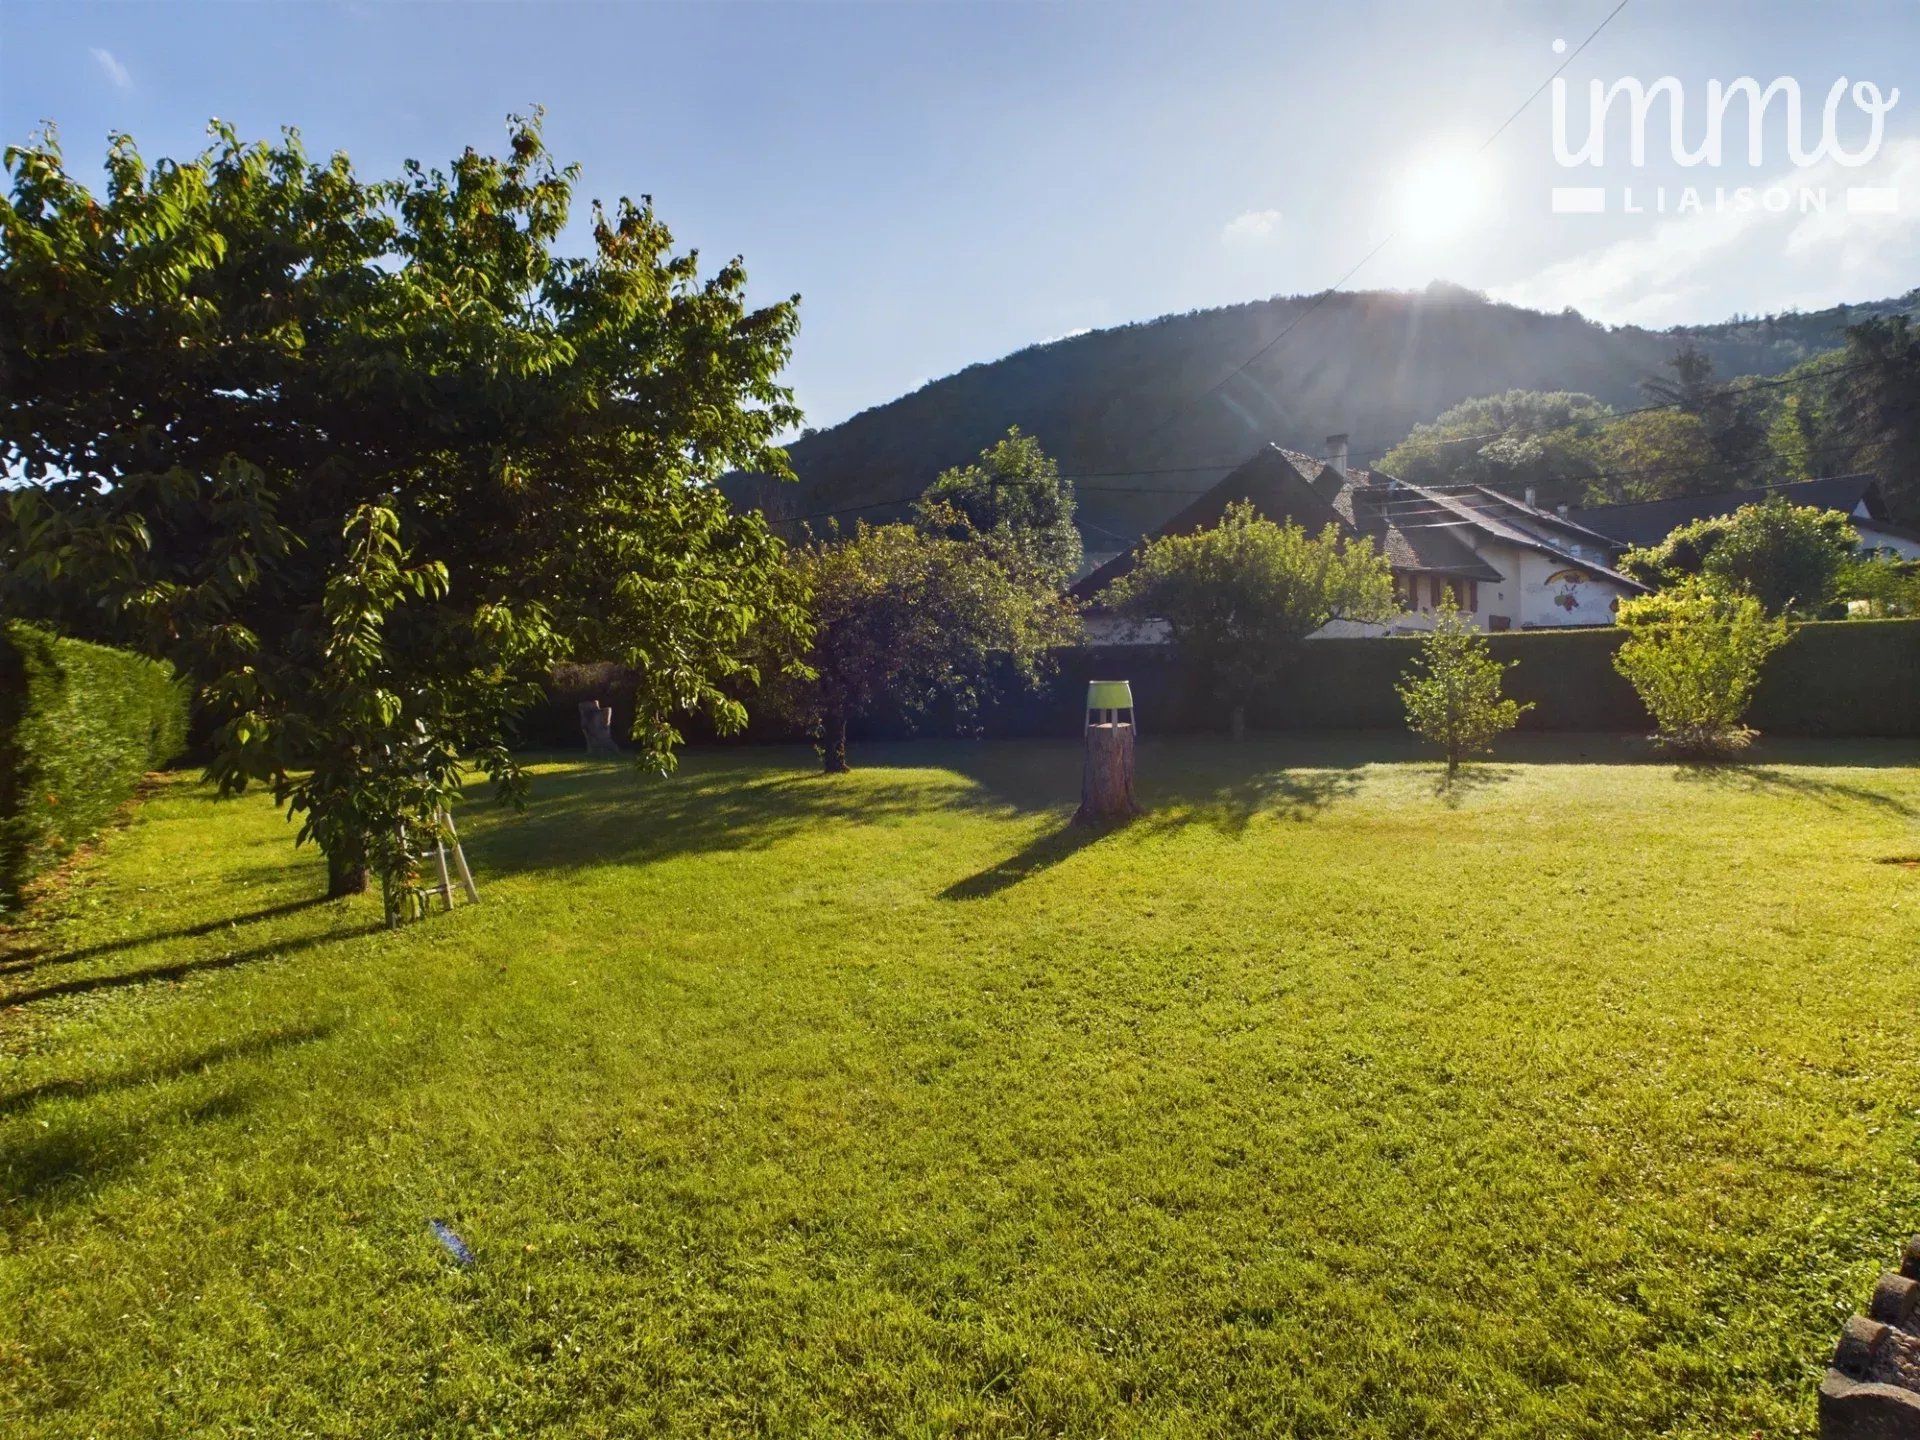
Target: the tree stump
pixel 1106 782
pixel 596 723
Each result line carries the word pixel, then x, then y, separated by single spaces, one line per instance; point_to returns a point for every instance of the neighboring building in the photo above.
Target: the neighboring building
pixel 1855 496
pixel 1510 565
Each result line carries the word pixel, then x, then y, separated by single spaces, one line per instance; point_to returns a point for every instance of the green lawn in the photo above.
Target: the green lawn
pixel 1581 1101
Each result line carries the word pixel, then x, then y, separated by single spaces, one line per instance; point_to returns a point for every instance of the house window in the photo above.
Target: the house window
pixel 1473 595
pixel 1435 587
pixel 1499 622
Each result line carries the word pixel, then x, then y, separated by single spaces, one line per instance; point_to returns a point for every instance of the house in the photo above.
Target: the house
pixel 1857 497
pixel 1508 564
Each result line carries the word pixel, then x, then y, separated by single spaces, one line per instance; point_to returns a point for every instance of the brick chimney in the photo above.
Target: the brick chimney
pixel 1337 454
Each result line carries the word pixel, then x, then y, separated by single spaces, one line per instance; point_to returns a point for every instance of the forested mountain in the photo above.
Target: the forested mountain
pixel 1126 410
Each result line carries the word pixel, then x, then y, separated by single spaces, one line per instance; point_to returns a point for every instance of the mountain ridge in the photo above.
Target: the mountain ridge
pixel 1146 414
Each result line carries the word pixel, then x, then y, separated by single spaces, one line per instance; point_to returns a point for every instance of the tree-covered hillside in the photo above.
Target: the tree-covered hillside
pixel 1125 410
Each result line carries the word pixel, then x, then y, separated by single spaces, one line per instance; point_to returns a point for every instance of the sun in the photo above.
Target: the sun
pixel 1442 193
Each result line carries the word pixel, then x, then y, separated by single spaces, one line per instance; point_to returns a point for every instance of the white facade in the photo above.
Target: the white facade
pixel 1539 592
pixel 1900 545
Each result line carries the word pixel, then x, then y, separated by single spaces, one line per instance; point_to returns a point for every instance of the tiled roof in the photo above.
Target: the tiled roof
pixel 1651 521
pixel 1422 530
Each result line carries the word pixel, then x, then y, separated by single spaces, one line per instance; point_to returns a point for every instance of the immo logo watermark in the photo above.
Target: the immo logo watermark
pixel 1776 125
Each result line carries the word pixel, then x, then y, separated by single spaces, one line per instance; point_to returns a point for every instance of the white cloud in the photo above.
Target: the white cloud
pixel 1251 227
pixel 111 67
pixel 1690 266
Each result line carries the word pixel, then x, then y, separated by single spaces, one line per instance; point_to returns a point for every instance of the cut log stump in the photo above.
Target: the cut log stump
pixel 596 724
pixel 1106 781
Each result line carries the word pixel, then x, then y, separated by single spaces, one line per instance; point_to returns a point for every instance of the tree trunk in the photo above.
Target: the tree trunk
pixel 346 875
pixel 1106 782
pixel 1237 722
pixel 833 745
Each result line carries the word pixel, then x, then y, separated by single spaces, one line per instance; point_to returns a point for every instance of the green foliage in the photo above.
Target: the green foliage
pixel 1239 597
pixel 80 724
pixel 1641 456
pixel 1695 654
pixel 1519 438
pixel 1013 498
pixel 914 619
pixel 365 458
pixel 1792 439
pixel 1789 557
pixel 1454 697
pixel 1875 404
pixel 1732 419
pixel 1888 585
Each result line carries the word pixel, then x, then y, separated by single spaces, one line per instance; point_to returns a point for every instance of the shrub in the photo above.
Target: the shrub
pixel 1790 557
pixel 1695 654
pixel 1453 697
pixel 79 725
pixel 1240 598
pixel 905 618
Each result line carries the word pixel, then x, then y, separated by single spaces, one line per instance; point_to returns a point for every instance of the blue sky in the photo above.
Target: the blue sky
pixel 947 183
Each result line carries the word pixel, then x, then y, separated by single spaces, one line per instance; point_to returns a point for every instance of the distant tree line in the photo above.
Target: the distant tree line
pixel 1845 411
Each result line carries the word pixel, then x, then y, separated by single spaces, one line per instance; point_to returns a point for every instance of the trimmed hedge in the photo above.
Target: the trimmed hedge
pixel 1842 677
pixel 79 725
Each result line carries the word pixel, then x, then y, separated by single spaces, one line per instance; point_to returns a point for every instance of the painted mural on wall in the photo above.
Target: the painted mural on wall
pixel 1566 588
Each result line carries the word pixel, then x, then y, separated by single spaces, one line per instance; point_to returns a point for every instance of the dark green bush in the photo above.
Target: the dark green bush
pixel 1849 677
pixel 79 725
pixel 1845 677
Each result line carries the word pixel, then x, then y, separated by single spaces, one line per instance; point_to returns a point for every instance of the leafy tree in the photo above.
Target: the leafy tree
pixel 1643 456
pixel 1454 698
pixel 1013 497
pixel 364 458
pixel 1890 586
pixel 1791 439
pixel 911 619
pixel 1733 420
pixel 1695 655
pixel 1239 597
pixel 1511 440
pixel 1787 556
pixel 1875 407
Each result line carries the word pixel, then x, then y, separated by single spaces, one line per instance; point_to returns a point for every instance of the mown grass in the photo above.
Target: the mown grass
pixel 1581 1100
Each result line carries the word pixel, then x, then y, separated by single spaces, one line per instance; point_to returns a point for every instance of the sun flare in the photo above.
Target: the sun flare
pixel 1443 193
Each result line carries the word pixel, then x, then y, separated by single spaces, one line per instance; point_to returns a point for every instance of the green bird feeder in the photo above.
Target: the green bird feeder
pixel 1106 779
pixel 1105 700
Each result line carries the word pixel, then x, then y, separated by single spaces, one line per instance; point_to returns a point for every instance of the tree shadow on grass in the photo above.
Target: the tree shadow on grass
pixel 1456 789
pixel 744 800
pixel 37 958
pixel 178 970
pixel 76 1149
pixel 1230 806
pixel 1765 780
pixel 63 1163
pixel 158 1072
pixel 1043 854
